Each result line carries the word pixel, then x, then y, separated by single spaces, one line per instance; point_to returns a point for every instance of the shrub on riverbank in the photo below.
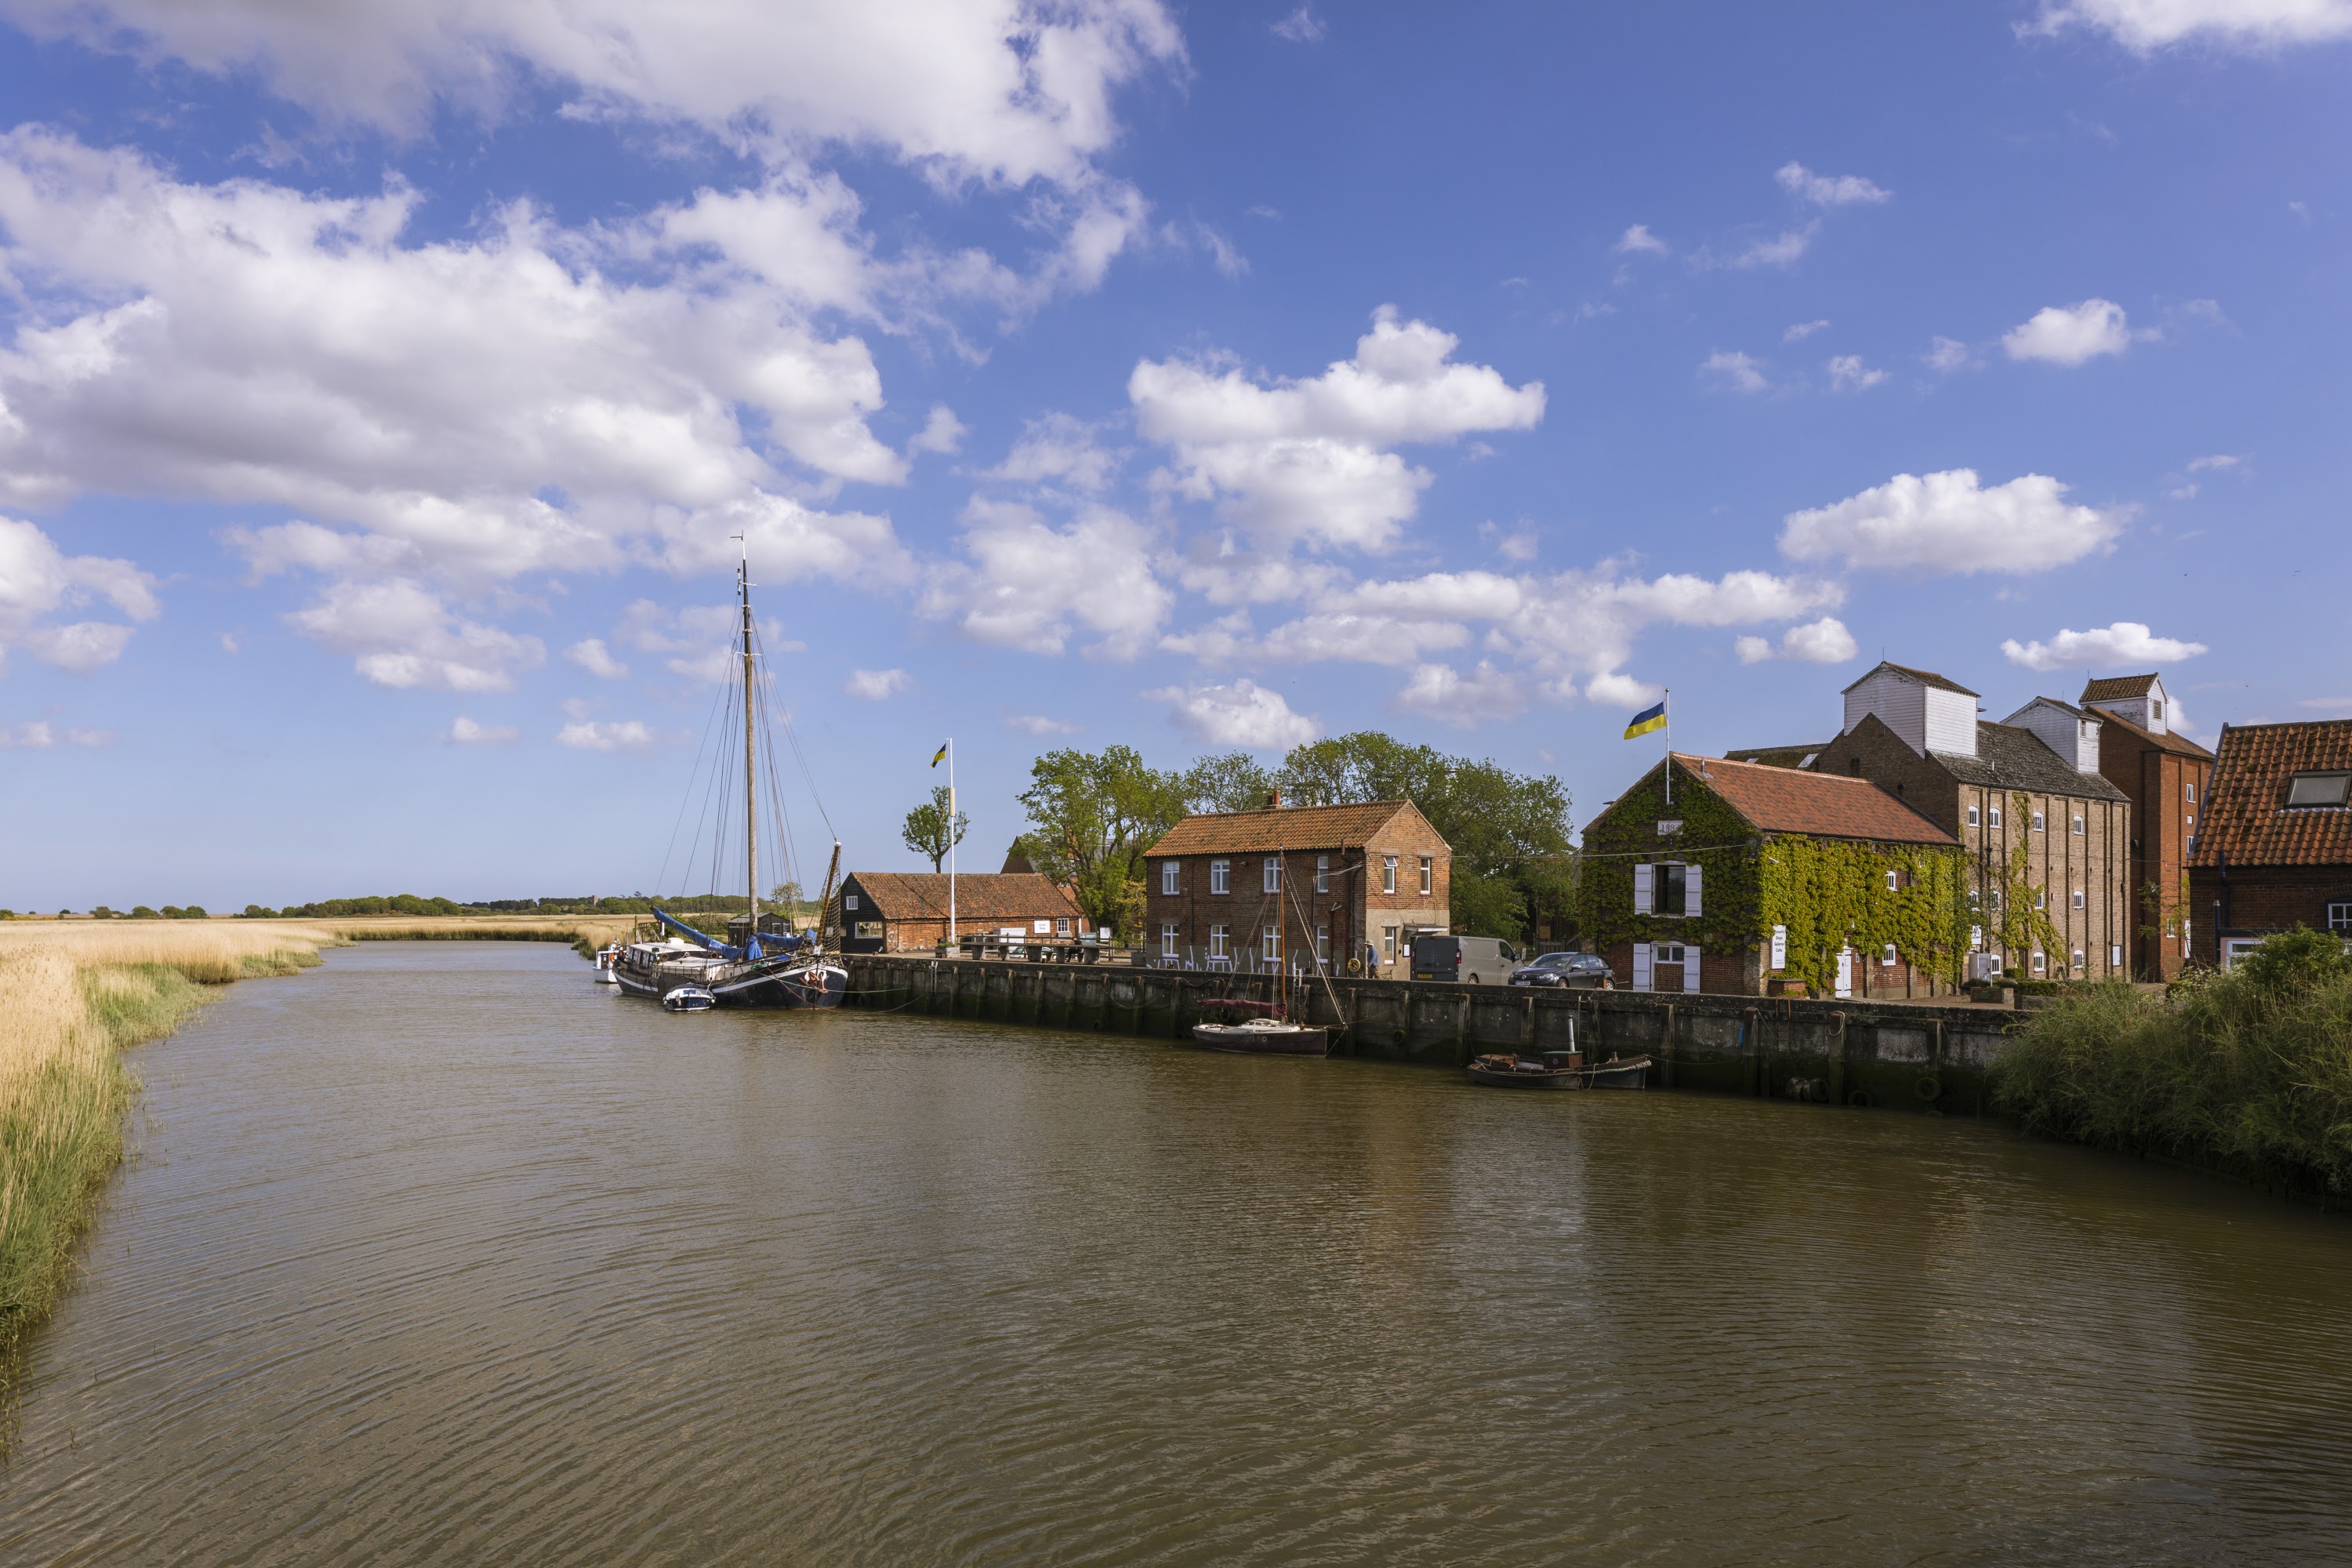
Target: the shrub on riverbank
pixel 2251 1071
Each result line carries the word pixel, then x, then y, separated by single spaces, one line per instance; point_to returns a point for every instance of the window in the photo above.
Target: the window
pixel 2040 963
pixel 1996 816
pixel 1667 953
pixel 2078 898
pixel 2156 710
pixel 1322 873
pixel 1273 874
pixel 1220 942
pixel 1894 881
pixel 2078 960
pixel 1886 959
pixel 2115 956
pixel 1976 898
pixel 1996 899
pixel 1428 876
pixel 2078 825
pixel 1168 941
pixel 2037 822
pixel 869 928
pixel 1972 816
pixel 2339 918
pixel 1270 944
pixel 1388 944
pixel 1388 873
pixel 1220 876
pixel 2190 785
pixel 2318 789
pixel 1322 942
pixel 849 901
pixel 1976 939
pixel 1669 889
pixel 1061 925
pixel 2189 825
pixel 1167 877
pixel 2042 897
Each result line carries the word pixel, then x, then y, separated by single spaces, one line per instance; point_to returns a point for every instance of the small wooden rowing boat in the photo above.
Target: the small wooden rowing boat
pixel 1555 1069
pixel 1264 1038
pixel 1631 1072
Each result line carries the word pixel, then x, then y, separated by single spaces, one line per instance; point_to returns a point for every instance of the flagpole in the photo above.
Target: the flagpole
pixel 1667 702
pixel 952 841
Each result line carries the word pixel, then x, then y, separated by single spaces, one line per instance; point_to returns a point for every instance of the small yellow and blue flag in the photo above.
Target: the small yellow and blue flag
pixel 1647 720
pixel 941 755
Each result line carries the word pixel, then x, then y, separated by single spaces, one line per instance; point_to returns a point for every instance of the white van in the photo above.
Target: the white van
pixel 1478 960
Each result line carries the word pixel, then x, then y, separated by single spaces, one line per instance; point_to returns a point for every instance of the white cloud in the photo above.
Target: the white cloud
pixel 400 635
pixel 1309 461
pixel 1058 450
pixel 40 735
pixel 1038 724
pixel 991 90
pixel 2125 642
pixel 590 654
pixel 1827 191
pixel 1301 26
pixel 465 732
pixel 37 580
pixel 1613 689
pixel 613 735
pixel 1243 714
pixel 701 640
pixel 1848 374
pixel 1783 249
pixel 2217 461
pixel 1826 641
pixel 1734 372
pixel 1948 354
pixel 2145 25
pixel 942 432
pixel 1638 239
pixel 1032 586
pixel 875 685
pixel 1801 330
pixel 2071 334
pixel 1439 691
pixel 1948 522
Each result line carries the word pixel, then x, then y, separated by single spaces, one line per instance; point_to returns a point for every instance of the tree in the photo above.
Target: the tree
pixel 1228 781
pixel 930 829
pixel 1096 814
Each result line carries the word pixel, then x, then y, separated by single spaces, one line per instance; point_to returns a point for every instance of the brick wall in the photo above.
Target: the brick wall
pixel 1351 908
pixel 2262 899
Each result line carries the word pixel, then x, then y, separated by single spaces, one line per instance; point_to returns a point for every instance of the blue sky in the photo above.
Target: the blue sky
pixel 379 397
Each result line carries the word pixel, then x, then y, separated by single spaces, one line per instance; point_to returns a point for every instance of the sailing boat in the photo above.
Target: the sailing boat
pixel 766 963
pixel 1274 1035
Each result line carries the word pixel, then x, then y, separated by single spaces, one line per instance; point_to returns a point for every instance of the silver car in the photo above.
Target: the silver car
pixel 1582 970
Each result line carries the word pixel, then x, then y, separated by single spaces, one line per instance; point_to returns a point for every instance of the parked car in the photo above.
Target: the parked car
pixel 1583 971
pixel 1480 960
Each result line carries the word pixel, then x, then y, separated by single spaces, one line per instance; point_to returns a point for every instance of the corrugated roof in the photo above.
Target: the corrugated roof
pixel 2245 814
pixel 1923 677
pixel 980 896
pixel 1779 756
pixel 1288 827
pixel 1821 806
pixel 2179 745
pixel 2008 757
pixel 2116 688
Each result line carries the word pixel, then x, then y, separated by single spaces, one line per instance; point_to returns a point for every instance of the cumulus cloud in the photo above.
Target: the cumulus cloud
pixel 1038 724
pixel 401 633
pixel 1000 91
pixel 1783 249
pixel 699 640
pixel 1828 191
pixel 590 654
pixel 2125 642
pixel 1243 714
pixel 2145 25
pixel 1060 451
pixel 2218 460
pixel 875 685
pixel 1309 461
pixel 1301 26
pixel 1950 524
pixel 607 735
pixel 1028 585
pixel 1639 241
pixel 37 580
pixel 1441 692
pixel 1848 374
pixel 39 735
pixel 1613 689
pixel 1734 372
pixel 2070 334
pixel 1826 641
pixel 465 732
pixel 1948 354
pixel 1800 331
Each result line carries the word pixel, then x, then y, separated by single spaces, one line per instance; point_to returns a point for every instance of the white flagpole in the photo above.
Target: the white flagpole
pixel 1666 701
pixel 951 840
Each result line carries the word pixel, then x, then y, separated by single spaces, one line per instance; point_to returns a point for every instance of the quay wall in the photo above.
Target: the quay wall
pixel 1905 1056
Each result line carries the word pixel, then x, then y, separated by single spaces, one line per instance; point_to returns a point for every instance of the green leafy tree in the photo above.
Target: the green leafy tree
pixel 1096 813
pixel 932 830
pixel 1228 781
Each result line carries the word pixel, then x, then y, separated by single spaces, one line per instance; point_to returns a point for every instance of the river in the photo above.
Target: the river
pixel 439 1254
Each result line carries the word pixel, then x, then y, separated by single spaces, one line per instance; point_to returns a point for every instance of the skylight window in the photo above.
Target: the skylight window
pixel 2318 789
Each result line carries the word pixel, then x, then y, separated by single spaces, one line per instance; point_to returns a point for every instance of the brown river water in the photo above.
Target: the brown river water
pixel 440 1254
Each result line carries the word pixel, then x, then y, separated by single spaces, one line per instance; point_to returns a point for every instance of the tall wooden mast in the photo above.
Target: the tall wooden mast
pixel 750 793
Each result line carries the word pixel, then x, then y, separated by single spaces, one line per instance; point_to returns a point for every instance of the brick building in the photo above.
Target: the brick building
pixel 901 911
pixel 1349 874
pixel 2025 798
pixel 2167 776
pixel 1675 887
pixel 2274 848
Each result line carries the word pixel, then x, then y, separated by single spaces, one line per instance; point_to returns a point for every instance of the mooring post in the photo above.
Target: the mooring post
pixel 1666 1049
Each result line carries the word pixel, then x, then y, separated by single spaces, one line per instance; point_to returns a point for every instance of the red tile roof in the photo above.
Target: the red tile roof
pixel 2179 745
pixel 2116 688
pixel 980 896
pixel 1288 827
pixel 2246 817
pixel 1821 806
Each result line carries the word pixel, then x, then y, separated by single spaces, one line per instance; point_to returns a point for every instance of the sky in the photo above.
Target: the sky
pixel 384 391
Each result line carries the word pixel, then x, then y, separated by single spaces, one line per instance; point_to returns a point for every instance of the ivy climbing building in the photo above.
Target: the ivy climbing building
pixel 1741 874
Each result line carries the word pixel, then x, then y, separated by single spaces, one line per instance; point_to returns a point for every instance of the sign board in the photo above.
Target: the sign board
pixel 1780 947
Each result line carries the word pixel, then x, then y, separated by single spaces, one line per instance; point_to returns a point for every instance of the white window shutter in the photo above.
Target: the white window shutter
pixel 1641 962
pixel 1690 890
pixel 1690 960
pixel 1644 903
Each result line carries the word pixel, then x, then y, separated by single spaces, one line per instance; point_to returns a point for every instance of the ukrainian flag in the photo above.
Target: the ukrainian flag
pixel 1647 720
pixel 941 755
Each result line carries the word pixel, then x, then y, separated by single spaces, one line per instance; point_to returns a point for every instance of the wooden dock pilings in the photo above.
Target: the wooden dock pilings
pixel 1899 1055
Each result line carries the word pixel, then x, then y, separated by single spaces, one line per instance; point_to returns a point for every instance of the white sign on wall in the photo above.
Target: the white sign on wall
pixel 1780 947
